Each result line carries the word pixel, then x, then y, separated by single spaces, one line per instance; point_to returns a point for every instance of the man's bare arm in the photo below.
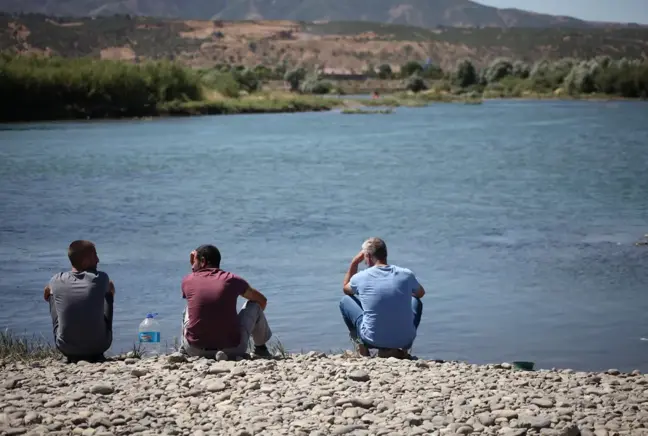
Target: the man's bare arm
pixel 420 292
pixel 252 294
pixel 47 293
pixel 353 270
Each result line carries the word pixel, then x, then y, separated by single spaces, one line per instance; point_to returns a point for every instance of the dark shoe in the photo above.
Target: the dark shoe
pixel 363 350
pixel 393 352
pixel 99 358
pixel 262 351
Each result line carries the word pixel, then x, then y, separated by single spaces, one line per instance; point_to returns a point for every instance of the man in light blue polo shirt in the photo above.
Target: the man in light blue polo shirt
pixel 382 307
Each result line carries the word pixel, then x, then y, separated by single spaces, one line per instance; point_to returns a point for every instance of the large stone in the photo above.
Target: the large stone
pixel 139 372
pixel 536 422
pixel 346 429
pixel 465 429
pixel 545 403
pixel 505 413
pixel 486 419
pixel 569 430
pixel 177 358
pixel 56 402
pixel 359 375
pixel 216 386
pixel 102 389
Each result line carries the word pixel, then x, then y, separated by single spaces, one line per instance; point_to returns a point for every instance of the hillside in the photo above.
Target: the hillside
pixel 350 46
pixel 422 13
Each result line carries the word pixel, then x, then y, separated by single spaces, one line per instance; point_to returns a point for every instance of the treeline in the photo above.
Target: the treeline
pixel 506 78
pixel 33 88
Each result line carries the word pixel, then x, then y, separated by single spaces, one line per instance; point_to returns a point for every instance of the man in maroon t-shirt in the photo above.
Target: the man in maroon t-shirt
pixel 211 323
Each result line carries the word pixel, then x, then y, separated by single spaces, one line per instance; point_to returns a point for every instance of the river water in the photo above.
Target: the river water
pixel 518 217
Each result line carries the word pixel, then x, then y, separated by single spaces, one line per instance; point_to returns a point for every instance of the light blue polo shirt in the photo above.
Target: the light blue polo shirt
pixel 386 296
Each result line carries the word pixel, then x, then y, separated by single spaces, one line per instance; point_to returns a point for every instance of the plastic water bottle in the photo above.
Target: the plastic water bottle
pixel 149 336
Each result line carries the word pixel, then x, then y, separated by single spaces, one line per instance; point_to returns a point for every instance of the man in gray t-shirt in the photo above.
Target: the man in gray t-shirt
pixel 81 305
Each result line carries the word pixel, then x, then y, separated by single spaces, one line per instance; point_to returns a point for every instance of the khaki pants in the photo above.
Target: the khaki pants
pixel 252 322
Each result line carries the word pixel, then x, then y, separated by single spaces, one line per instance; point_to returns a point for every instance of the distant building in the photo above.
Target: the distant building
pixel 342 74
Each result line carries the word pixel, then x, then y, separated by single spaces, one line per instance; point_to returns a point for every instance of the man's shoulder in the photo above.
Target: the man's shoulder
pixel 401 270
pixel 361 275
pixel 213 276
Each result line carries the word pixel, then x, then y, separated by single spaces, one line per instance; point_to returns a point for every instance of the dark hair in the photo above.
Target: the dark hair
pixel 210 255
pixel 78 250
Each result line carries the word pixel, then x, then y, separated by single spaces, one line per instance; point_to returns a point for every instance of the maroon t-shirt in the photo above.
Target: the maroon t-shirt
pixel 211 301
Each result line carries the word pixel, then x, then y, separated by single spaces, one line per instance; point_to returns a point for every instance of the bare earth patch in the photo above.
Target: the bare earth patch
pixel 118 54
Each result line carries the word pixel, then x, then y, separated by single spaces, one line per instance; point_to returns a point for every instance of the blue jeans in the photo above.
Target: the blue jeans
pixel 352 313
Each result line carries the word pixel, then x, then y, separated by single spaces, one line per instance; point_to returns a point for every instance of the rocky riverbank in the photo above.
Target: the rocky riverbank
pixel 315 394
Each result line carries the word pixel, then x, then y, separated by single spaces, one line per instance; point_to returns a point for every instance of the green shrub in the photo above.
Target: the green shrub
pixel 43 88
pixel 415 83
pixel 224 83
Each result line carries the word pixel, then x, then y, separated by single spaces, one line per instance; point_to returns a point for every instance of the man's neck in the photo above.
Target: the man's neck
pixel 380 264
pixel 94 269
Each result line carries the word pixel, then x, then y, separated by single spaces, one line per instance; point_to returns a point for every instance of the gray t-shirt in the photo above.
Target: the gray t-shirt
pixel 83 307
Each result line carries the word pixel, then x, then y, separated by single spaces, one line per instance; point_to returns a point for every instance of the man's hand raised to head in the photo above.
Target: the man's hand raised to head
pixel 192 257
pixel 358 258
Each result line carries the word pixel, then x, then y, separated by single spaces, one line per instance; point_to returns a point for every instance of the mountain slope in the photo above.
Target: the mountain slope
pixel 423 13
pixel 339 45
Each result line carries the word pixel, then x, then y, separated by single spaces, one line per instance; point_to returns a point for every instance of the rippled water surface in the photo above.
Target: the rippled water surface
pixel 519 218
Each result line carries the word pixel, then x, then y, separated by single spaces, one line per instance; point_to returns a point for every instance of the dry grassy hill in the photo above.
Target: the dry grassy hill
pixel 339 45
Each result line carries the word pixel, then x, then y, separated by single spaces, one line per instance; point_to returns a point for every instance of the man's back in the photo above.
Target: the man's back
pixel 79 301
pixel 386 296
pixel 211 295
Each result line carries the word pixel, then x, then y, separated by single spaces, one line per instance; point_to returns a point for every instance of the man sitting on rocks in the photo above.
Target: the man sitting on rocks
pixel 382 306
pixel 211 323
pixel 81 306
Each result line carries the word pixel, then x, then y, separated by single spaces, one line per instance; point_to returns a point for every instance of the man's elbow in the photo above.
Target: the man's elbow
pixel 420 293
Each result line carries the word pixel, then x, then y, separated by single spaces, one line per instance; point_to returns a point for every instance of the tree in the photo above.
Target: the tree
pixel 497 70
pixel 410 68
pixel 466 74
pixel 580 79
pixel 370 70
pixel 433 72
pixel 247 79
pixel 385 72
pixel 521 70
pixel 295 77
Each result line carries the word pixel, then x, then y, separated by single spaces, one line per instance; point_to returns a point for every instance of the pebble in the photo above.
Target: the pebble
pixel 316 394
pixel 221 356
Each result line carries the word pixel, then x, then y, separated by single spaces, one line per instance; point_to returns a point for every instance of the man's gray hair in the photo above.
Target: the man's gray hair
pixel 376 248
